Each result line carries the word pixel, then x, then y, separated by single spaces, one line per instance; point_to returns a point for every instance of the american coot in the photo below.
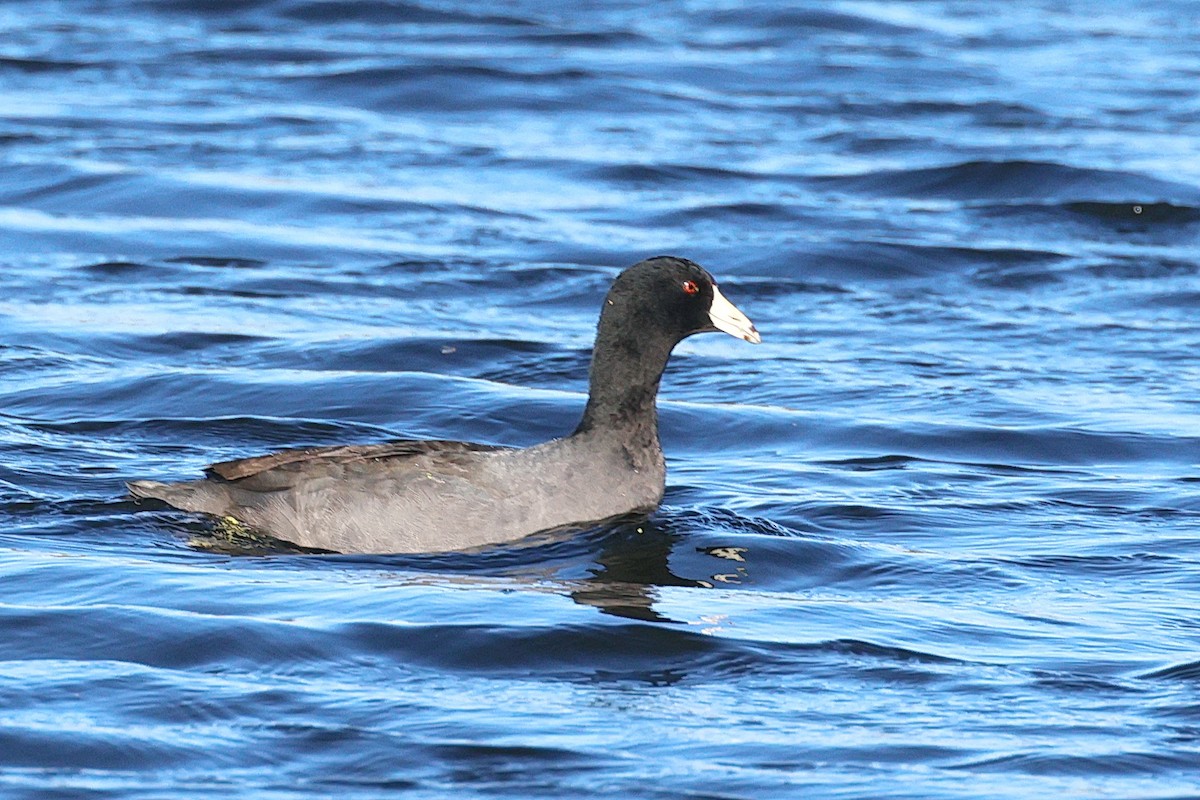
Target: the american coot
pixel 428 496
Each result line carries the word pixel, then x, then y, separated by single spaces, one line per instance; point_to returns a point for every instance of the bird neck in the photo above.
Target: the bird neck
pixel 623 386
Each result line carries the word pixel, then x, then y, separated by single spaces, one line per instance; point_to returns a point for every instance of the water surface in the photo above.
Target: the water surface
pixel 936 537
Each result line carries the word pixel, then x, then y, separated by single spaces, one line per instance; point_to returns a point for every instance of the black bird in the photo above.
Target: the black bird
pixel 429 496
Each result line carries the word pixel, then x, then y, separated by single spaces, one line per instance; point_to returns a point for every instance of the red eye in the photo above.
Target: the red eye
pixel 690 287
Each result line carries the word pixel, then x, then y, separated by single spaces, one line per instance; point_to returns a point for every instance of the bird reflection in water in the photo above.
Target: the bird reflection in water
pixel 634 565
pixel 623 579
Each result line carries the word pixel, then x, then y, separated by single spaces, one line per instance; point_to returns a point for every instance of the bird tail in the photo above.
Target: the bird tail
pixel 201 496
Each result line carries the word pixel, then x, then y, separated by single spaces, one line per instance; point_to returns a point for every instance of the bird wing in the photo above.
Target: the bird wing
pixel 301 457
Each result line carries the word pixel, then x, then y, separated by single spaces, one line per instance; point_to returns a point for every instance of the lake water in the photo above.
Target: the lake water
pixel 938 536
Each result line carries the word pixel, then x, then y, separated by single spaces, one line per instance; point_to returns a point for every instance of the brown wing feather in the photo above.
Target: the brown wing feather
pixel 339 454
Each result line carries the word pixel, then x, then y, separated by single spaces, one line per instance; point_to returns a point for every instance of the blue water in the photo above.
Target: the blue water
pixel 938 536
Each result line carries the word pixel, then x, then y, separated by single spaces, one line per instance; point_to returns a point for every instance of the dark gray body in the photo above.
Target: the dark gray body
pixel 411 497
